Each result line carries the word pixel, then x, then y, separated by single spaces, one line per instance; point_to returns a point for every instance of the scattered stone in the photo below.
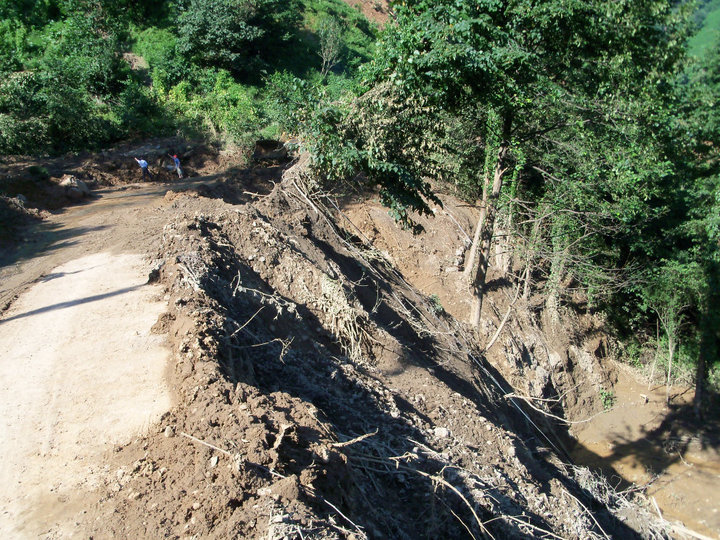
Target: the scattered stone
pixel 441 432
pixel 169 431
pixel 213 461
pixel 74 188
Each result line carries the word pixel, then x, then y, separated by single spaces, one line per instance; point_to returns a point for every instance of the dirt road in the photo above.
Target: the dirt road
pixel 80 370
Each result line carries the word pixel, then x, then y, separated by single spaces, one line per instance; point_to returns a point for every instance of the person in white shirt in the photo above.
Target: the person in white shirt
pixel 144 166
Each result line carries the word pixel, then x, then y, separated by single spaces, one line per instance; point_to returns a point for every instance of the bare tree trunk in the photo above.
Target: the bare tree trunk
pixel 470 263
pixel 657 354
pixel 709 324
pixel 671 352
pixel 486 228
pixel 699 384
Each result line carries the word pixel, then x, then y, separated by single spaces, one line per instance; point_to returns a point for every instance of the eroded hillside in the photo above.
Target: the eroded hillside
pixel 317 394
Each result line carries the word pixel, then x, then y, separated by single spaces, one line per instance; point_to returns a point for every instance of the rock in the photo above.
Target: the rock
pixel 268 150
pixel 154 274
pixel 74 188
pixel 169 431
pixel 213 461
pixel 441 432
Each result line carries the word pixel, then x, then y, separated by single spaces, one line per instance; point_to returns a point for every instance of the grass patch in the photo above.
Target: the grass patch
pixel 709 32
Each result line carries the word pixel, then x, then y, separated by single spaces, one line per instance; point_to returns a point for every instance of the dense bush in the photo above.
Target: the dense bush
pixel 237 35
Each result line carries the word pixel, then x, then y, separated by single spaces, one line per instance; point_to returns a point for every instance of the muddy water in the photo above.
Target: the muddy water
pixel 642 441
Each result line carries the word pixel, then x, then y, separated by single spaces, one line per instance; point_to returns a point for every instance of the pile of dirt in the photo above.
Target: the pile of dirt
pixel 544 353
pixel 37 180
pixel 324 383
pixel 31 189
pixel 377 11
pixel 319 395
pixel 561 360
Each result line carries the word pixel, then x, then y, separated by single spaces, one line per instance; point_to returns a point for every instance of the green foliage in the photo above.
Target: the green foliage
pixel 67 86
pixel 454 64
pixel 38 172
pixel 435 305
pixel 30 12
pixel 218 105
pixel 607 398
pixel 611 150
pixel 286 99
pixel 235 34
pixel 331 44
pixel 159 48
pixel 357 34
pixel 713 379
pixel 708 20
pixel 77 50
pixel 59 100
pixel 632 353
pixel 39 112
pixel 13 45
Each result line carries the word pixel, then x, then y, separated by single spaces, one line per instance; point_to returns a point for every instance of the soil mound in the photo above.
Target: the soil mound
pixel 319 395
pixel 318 392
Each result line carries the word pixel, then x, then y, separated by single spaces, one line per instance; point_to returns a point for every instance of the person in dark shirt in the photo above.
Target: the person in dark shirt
pixel 176 161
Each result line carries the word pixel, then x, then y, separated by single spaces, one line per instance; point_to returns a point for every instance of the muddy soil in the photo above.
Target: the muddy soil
pixel 377 11
pixel 317 392
pixel 641 441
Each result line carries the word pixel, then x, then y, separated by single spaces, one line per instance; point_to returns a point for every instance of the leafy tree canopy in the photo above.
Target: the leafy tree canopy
pixel 234 34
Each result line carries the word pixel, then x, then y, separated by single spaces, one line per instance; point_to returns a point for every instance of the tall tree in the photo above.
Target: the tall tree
pixel 234 34
pixel 699 232
pixel 552 77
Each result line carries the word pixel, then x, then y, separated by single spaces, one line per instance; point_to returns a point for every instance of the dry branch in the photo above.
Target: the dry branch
pixel 355 440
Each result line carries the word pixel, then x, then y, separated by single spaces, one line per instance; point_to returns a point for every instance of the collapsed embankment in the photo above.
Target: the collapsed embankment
pixel 318 395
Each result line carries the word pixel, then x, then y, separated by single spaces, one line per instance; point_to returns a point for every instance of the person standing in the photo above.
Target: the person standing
pixel 144 166
pixel 176 161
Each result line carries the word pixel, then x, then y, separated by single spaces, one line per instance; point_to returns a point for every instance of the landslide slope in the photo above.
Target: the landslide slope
pixel 319 395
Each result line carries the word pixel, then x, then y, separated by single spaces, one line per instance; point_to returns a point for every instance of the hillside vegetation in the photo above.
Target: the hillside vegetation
pixel 707 18
pixel 586 132
pixel 586 135
pixel 79 74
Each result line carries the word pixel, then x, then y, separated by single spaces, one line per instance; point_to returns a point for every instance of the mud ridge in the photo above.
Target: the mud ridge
pixel 320 396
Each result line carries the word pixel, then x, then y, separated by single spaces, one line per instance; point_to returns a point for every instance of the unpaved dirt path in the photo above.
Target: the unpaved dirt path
pixel 80 370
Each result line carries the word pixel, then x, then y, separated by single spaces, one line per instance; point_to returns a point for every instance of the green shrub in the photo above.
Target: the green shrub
pixel 77 49
pixel 159 49
pixel 222 106
pixel 13 45
pixel 39 172
pixel 285 97
pixel 632 353
pixel 607 398
pixel 435 305
pixel 235 34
